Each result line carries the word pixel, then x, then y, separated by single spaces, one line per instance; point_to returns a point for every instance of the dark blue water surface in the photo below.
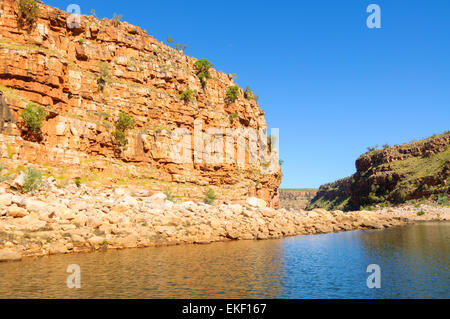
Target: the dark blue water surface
pixel 414 262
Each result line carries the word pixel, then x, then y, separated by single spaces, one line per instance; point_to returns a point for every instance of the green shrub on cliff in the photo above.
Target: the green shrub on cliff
pixel 187 95
pixel 77 181
pixel 33 115
pixel 28 11
pixel 248 93
pixel 232 93
pixel 210 196
pixel 103 76
pixel 169 195
pixel 33 181
pixel 124 123
pixel 233 116
pixel 116 19
pixel 203 67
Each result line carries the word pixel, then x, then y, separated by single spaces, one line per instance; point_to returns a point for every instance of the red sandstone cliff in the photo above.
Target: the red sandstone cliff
pixel 58 68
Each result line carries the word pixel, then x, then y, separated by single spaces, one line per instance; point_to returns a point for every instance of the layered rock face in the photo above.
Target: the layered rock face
pixel 393 175
pixel 86 75
pixel 296 198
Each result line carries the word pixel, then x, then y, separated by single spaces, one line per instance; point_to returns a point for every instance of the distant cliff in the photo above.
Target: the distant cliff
pixel 392 175
pixel 296 198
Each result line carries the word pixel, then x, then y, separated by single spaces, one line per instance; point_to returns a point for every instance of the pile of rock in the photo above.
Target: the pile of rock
pixel 73 219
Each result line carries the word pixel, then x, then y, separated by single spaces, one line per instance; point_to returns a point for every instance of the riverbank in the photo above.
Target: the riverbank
pixel 81 219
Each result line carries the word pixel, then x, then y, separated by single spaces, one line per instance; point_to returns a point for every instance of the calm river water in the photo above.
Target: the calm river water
pixel 414 263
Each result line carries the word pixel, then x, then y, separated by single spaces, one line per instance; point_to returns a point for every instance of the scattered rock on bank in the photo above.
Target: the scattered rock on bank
pixel 9 255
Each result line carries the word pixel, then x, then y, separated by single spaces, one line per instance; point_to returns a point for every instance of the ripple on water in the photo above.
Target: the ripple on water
pixel 414 263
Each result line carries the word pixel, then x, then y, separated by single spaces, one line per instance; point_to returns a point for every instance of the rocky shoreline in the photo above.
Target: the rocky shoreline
pixel 81 219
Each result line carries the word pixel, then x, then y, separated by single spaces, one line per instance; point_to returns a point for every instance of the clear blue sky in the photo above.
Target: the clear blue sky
pixel 331 85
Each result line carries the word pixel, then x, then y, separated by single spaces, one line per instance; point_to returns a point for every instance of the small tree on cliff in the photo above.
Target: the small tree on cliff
pixel 210 196
pixel 232 93
pixel 187 95
pixel 203 67
pixel 32 116
pixel 124 123
pixel 103 76
pixel 248 93
pixel 28 11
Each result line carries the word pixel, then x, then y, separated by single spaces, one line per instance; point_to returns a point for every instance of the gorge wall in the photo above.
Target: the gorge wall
pixel 296 198
pixel 392 175
pixel 59 68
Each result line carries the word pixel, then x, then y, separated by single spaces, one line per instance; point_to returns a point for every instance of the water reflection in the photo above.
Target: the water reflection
pixel 223 270
pixel 414 262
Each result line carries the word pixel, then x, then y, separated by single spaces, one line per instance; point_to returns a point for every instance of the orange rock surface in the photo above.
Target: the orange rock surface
pixel 59 68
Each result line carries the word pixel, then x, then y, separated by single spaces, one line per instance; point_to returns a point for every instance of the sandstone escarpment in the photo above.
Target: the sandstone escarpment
pixel 296 198
pixel 85 76
pixel 393 175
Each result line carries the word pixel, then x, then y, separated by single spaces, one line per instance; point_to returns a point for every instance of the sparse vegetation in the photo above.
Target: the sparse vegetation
pixel 203 73
pixel 33 181
pixel 33 115
pixel 77 181
pixel 232 93
pixel 187 95
pixel 103 76
pixel 170 40
pixel 233 116
pixel 28 11
pixel 371 149
pixel 248 93
pixel 180 47
pixel 116 19
pixel 420 213
pixel 124 123
pixel 409 178
pixel 210 196
pixel 6 176
pixel 443 200
pixel 169 195
pixel 10 150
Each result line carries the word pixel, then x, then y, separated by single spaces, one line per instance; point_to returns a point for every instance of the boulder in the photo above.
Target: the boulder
pixel 19 181
pixel 41 208
pixel 256 202
pixel 6 199
pixel 97 240
pixel 16 211
pixel 128 200
pixel 78 205
pixel 158 197
pixel 9 255
pixel 157 200
pixel 120 191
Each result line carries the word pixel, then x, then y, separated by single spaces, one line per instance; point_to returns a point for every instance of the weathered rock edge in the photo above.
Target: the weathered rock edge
pixel 76 220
